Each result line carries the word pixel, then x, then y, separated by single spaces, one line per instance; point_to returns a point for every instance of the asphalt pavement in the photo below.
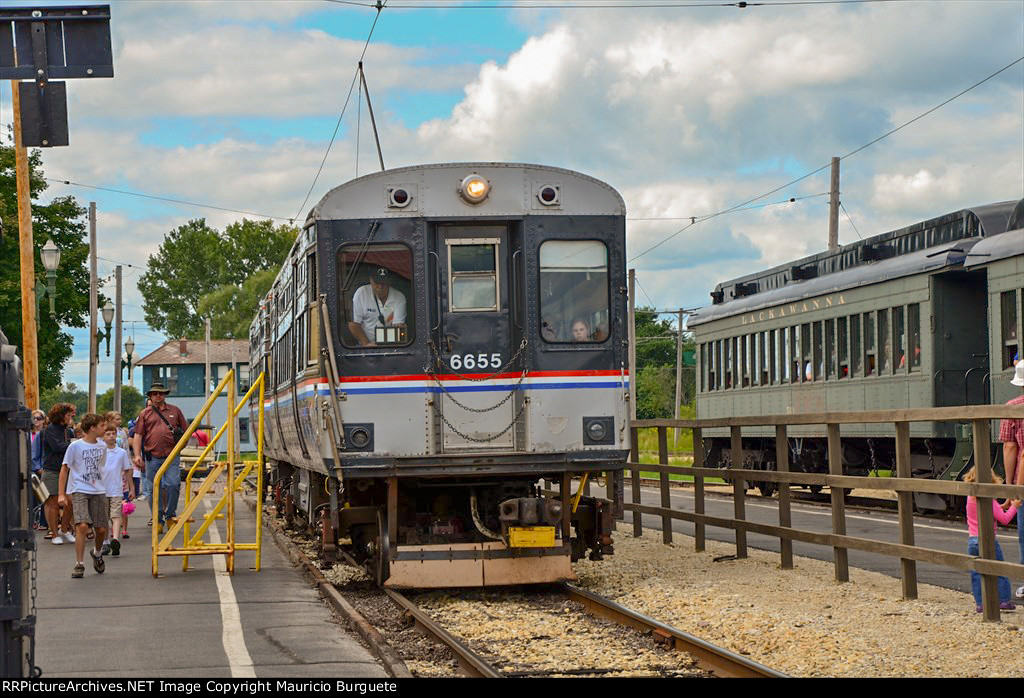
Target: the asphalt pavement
pixel 203 623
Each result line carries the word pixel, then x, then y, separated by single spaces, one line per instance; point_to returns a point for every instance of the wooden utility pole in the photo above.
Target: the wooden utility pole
pixel 208 386
pixel 29 331
pixel 833 209
pixel 632 344
pixel 117 339
pixel 94 342
pixel 679 369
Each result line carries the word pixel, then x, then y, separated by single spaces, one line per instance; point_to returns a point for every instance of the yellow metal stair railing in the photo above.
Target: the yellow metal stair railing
pixel 192 544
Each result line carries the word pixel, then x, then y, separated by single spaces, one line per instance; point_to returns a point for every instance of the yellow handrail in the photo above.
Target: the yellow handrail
pixel 192 544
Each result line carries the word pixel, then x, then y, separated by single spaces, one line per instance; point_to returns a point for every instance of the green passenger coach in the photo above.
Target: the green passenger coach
pixel 924 316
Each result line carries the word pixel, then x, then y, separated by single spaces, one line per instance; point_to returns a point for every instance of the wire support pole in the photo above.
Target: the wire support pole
pixel 369 108
pixel 26 248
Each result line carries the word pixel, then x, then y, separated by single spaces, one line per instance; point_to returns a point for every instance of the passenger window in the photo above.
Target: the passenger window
pixel 869 344
pixel 899 340
pixel 855 348
pixel 763 343
pixel 472 275
pixel 574 291
pixel 885 342
pixel 795 367
pixel 1010 344
pixel 843 349
pixel 806 353
pixel 914 330
pixel 745 359
pixel 830 350
pixel 374 283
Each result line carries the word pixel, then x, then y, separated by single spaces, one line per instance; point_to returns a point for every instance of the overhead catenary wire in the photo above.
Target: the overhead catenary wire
pixel 616 5
pixel 379 6
pixel 701 219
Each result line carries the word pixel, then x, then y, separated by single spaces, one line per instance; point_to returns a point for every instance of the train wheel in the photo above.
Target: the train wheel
pixel 382 558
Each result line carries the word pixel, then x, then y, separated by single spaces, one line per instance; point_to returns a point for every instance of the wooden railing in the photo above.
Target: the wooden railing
pixel 979 416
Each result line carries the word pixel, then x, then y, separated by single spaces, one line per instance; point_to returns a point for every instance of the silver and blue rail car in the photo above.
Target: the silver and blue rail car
pixel 441 340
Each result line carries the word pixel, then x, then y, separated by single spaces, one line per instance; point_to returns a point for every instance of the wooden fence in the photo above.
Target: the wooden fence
pixel 905 486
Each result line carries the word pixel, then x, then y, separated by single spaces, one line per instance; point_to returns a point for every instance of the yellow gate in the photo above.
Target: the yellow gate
pixel 192 544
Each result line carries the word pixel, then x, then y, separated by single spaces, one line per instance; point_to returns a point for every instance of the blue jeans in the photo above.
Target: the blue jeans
pixel 170 487
pixel 1004 583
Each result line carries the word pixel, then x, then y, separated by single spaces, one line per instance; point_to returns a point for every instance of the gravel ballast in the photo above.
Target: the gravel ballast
pixel 801 621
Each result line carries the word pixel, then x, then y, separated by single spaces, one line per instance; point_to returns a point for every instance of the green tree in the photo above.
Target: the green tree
pixel 60 221
pixel 132 402
pixel 195 260
pixel 231 308
pixel 48 397
pixel 656 336
pixel 655 392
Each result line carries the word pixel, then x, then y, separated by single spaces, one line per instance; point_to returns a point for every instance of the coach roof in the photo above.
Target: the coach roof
pixel 434 193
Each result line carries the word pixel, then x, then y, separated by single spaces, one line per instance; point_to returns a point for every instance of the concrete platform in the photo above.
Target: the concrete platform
pixel 125 623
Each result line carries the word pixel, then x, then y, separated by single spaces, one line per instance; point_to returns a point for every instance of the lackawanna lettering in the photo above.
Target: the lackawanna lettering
pixel 794 309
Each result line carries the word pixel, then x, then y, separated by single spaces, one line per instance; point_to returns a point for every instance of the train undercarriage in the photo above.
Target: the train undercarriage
pixel 421 532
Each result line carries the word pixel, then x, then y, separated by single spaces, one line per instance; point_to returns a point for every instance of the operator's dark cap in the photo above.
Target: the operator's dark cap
pixel 381 274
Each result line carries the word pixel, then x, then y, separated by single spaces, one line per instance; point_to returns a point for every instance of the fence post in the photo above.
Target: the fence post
pixel 634 478
pixel 698 489
pixel 906 508
pixel 739 492
pixel 785 515
pixel 835 467
pixel 666 495
pixel 986 522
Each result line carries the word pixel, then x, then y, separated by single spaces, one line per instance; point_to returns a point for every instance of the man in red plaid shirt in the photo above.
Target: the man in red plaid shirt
pixel 1011 434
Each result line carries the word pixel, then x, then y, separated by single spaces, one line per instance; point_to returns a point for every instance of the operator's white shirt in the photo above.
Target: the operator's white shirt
pixel 367 309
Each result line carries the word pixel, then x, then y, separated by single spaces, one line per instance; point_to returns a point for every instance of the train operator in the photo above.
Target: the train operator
pixel 376 305
pixel 1011 433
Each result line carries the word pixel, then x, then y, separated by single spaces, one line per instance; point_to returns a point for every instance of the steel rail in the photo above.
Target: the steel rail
pixel 718 661
pixel 470 662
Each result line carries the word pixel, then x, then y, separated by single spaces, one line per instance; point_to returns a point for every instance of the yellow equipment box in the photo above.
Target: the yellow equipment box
pixel 531 537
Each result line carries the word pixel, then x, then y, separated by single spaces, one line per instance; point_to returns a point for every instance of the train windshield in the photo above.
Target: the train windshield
pixel 375 283
pixel 574 291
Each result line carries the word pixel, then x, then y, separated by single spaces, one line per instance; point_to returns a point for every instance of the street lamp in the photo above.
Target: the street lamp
pixel 51 260
pixel 129 347
pixel 108 319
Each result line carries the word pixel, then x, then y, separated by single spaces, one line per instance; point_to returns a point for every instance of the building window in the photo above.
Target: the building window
pixel 243 430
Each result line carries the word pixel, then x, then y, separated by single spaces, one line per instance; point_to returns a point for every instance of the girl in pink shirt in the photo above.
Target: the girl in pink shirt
pixel 1003 514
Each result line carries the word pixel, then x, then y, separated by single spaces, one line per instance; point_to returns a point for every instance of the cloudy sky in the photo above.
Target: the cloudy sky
pixel 686 110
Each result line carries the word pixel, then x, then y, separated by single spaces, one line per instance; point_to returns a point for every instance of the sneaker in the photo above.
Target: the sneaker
pixel 105 550
pixel 97 561
pixel 78 572
pixel 1007 606
pixel 115 547
pixel 977 609
pixel 1020 592
pixel 125 535
pixel 57 540
pixel 69 537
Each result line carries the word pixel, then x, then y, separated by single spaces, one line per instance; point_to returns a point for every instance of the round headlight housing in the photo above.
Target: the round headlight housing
pixel 399 197
pixel 474 189
pixel 596 431
pixel 359 437
pixel 548 195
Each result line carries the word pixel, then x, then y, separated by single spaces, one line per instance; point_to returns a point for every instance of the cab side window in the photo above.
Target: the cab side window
pixel 376 292
pixel 574 291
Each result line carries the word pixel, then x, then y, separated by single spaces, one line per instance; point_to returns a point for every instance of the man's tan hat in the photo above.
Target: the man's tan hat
pixel 157 388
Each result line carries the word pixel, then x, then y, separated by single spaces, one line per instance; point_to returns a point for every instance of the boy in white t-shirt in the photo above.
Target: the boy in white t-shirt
pixel 81 476
pixel 117 470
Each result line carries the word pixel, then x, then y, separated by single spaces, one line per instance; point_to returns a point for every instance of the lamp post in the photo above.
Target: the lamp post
pixel 51 260
pixel 108 320
pixel 126 362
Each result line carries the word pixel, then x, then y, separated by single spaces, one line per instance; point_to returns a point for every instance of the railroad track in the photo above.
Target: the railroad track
pixel 707 659
pixel 583 615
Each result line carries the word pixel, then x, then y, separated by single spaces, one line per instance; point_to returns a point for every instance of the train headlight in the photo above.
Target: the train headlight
pixel 548 195
pixel 360 437
pixel 399 197
pixel 596 431
pixel 474 189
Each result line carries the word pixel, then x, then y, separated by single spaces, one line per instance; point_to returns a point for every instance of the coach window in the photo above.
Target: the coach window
pixel 884 343
pixel 1010 343
pixel 855 348
pixel 473 275
pixel 767 358
pixel 830 350
pixel 899 340
pixel 842 343
pixel 376 292
pixel 745 359
pixel 914 332
pixel 574 291
pixel 806 353
pixel 869 344
pixel 795 367
pixel 719 366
